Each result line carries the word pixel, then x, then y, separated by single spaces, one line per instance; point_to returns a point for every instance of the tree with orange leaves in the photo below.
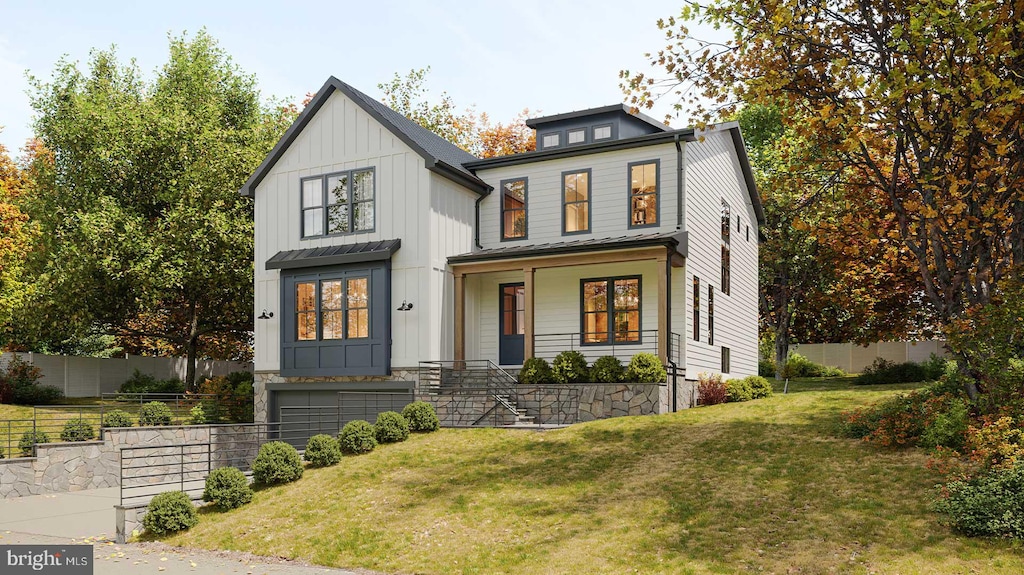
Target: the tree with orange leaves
pixel 16 236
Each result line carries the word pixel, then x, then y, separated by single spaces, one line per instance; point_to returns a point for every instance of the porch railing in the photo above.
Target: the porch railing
pixel 548 345
pixel 442 376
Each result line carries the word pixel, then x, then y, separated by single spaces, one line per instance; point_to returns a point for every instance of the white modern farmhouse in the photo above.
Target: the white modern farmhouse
pixel 389 261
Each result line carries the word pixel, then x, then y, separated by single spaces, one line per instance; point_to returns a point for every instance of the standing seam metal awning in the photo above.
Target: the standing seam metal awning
pixel 334 255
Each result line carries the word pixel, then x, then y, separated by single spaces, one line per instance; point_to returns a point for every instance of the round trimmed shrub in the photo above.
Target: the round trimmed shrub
pixel 759 387
pixel 322 450
pixel 421 417
pixel 170 512
pixel 30 438
pixel 227 488
pixel 154 413
pixel 738 390
pixel 77 430
pixel 608 369
pixel 536 371
pixel 390 427
pixel 118 418
pixel 645 368
pixel 570 367
pixel 196 415
pixel 277 462
pixel 357 437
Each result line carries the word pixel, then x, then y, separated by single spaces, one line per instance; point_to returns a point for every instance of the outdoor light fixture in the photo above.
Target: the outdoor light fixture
pixel 266 315
pixel 406 306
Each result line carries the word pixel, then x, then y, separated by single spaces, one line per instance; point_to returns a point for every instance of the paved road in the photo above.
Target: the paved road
pixel 87 517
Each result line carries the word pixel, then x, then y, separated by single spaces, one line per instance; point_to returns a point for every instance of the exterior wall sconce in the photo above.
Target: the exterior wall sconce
pixel 266 315
pixel 406 306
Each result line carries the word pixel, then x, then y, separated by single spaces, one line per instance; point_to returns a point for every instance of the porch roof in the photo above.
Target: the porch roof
pixel 334 255
pixel 674 240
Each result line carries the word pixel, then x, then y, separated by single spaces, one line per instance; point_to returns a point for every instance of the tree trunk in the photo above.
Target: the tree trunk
pixel 192 350
pixel 781 348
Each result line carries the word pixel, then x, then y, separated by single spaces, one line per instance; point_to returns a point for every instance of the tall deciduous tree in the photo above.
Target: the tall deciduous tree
pixel 16 237
pixel 923 99
pixel 145 232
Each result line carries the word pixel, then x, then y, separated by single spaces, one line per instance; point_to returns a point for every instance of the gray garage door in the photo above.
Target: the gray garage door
pixel 305 413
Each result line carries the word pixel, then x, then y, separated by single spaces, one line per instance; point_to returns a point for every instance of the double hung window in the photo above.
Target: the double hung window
pixel 611 310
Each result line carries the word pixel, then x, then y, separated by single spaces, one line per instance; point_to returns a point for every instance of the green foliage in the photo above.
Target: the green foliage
pixel 390 427
pixel 196 415
pixel 170 512
pixel 77 430
pixel 949 427
pixel 759 387
pixel 322 450
pixel 408 97
pixel 989 505
pixel 19 384
pixel 607 369
pixel 799 366
pixel 421 417
pixel 276 462
pixel 145 383
pixel 30 438
pixel 357 437
pixel 646 368
pixel 154 413
pixel 227 488
pixel 882 371
pixel 536 371
pixel 766 367
pixel 737 390
pixel 710 389
pixel 118 418
pixel 232 397
pixel 569 367
pixel 927 416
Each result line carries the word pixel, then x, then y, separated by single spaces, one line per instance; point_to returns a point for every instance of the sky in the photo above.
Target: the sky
pixel 550 56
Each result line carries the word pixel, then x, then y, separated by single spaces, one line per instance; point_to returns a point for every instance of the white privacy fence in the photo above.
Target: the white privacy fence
pixel 853 358
pixel 91 376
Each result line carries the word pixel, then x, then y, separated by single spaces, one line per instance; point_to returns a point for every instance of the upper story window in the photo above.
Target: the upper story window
pixel 611 310
pixel 643 194
pixel 338 203
pixel 726 232
pixel 696 308
pixel 576 202
pixel 711 314
pixel 513 209
pixel 577 136
pixel 602 132
pixel 550 140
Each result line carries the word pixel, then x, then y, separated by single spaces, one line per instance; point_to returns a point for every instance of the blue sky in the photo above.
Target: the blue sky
pixel 552 56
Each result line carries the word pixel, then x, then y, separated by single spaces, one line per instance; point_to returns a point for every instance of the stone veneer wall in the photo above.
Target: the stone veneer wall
pixel 604 400
pixel 262 378
pixel 463 410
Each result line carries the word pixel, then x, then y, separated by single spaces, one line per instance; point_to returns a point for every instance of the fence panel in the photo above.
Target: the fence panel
pixel 853 358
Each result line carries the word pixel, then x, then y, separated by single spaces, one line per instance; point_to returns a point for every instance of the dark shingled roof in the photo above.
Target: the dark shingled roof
pixel 439 155
pixel 677 240
pixel 334 255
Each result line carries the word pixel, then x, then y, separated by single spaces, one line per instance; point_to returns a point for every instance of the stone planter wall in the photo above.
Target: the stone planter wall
pixel 604 400
pixel 463 410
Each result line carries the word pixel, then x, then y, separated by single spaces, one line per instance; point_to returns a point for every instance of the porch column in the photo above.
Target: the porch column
pixel 663 334
pixel 528 313
pixel 460 318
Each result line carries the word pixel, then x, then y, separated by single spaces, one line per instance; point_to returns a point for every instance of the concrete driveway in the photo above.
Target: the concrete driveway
pixel 87 517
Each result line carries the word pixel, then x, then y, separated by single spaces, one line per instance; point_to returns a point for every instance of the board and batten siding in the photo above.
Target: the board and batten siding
pixel 342 136
pixel 452 216
pixel 713 173
pixel 609 181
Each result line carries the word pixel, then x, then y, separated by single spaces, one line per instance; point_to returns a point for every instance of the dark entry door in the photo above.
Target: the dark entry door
pixel 511 324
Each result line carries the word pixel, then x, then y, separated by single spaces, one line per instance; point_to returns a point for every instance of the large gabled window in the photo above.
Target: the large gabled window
pixel 338 203
pixel 513 209
pixel 726 232
pixel 611 310
pixel 576 202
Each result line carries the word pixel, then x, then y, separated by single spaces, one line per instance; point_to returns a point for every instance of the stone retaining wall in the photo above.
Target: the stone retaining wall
pixel 463 410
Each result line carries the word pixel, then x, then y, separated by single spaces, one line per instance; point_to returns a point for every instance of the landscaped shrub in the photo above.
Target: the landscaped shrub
pixel 19 384
pixel 118 418
pixel 646 368
pixel 536 371
pixel 949 427
pixel 227 488
pixel 569 367
pixel 990 505
pixel 799 366
pixel 390 427
pixel 38 395
pixel 196 415
pixel 30 438
pixel 227 399
pixel 882 371
pixel 902 420
pixel 421 417
pixel 276 462
pixel 77 430
pixel 738 390
pixel 357 437
pixel 322 450
pixel 154 413
pixel 710 389
pixel 608 369
pixel 766 367
pixel 759 387
pixel 145 383
pixel 170 512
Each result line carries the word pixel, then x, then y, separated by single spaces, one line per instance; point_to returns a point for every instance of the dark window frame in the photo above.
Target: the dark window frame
pixel 589 201
pixel 525 210
pixel 318 307
pixel 611 132
pixel 726 266
pixel 586 136
pixel 610 310
pixel 696 308
pixel 540 140
pixel 711 314
pixel 726 360
pixel 350 201
pixel 657 193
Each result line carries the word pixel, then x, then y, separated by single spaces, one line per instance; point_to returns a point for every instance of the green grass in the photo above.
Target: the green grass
pixel 762 486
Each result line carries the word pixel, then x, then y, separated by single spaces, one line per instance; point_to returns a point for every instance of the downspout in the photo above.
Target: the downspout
pixel 680 174
pixel 668 321
pixel 476 224
pixel 680 181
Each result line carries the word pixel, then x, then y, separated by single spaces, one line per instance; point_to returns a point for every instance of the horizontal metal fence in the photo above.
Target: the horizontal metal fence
pixel 549 345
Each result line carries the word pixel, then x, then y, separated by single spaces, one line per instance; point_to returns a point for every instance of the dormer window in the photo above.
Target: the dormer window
pixel 602 132
pixel 550 140
pixel 578 136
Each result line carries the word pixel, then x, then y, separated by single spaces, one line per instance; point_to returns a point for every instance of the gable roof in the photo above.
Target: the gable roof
pixel 440 156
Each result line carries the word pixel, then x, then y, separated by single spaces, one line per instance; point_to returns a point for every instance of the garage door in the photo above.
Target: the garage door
pixel 305 413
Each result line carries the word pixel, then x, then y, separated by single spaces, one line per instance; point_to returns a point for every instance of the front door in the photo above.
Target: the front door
pixel 511 324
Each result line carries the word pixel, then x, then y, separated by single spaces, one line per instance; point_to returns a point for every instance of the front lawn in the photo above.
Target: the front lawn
pixel 758 486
